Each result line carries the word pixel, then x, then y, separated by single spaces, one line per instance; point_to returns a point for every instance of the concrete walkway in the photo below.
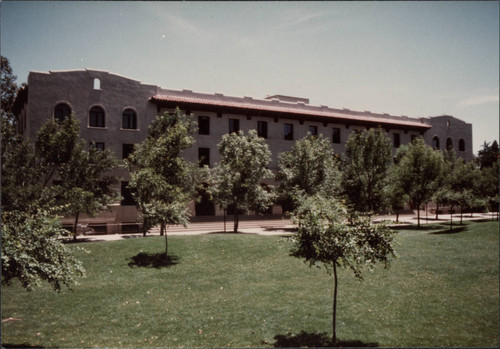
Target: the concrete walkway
pixel 274 226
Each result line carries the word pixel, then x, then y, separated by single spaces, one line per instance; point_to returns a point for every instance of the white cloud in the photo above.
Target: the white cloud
pixel 476 100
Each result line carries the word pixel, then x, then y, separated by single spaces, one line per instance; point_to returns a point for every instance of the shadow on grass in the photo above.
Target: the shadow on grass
pixel 307 339
pixel 288 230
pixel 423 227
pixel 24 345
pixel 450 231
pixel 153 260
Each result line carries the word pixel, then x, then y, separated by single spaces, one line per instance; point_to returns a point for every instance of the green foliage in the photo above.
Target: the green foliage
pixel 488 185
pixel 489 155
pixel 418 170
pixel 32 251
pixel 163 182
pixel 86 184
pixel 237 181
pixel 365 167
pixel 308 168
pixel 330 235
pixel 8 87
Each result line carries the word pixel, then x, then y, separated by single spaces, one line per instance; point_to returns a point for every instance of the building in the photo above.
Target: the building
pixel 115 112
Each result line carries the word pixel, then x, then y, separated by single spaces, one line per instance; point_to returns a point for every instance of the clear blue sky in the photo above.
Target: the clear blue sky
pixel 404 58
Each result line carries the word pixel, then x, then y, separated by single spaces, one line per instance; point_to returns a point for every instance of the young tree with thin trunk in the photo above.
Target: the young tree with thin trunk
pixel 365 167
pixel 330 235
pixel 162 181
pixel 86 184
pixel 417 171
pixel 309 167
pixel 238 179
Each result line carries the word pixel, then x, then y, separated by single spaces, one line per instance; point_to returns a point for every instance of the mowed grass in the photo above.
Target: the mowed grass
pixel 227 290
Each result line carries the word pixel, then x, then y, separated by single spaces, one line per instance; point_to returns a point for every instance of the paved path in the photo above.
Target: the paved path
pixel 271 226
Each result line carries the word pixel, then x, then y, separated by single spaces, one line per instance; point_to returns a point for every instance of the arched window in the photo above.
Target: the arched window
pixel 129 119
pixel 449 144
pixel 435 143
pixel 96 117
pixel 461 145
pixel 97 84
pixel 61 112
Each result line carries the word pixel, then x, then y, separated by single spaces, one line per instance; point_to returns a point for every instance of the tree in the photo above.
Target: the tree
pixel 417 169
pixel 488 155
pixel 237 181
pixel 32 251
pixel 86 184
pixel 489 186
pixel 162 181
pixel 307 168
pixel 330 235
pixel 395 195
pixel 365 169
pixel 8 87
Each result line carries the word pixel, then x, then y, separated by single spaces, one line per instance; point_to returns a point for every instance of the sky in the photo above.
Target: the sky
pixel 413 58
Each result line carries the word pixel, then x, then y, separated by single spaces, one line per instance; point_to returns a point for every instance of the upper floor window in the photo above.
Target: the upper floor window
pixel 461 145
pixel 127 196
pixel 96 117
pixel 262 129
pixel 449 144
pixel 397 140
pixel 98 145
pixel 435 143
pixel 97 84
pixel 204 157
pixel 336 135
pixel 313 130
pixel 234 125
pixel 203 125
pixel 127 149
pixel 61 112
pixel 129 119
pixel 288 132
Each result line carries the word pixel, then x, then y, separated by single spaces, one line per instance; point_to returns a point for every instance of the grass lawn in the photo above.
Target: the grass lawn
pixel 226 290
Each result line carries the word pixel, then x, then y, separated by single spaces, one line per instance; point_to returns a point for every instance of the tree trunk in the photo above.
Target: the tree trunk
pixel 418 216
pixel 75 226
pixel 451 219
pixel 397 215
pixel 166 242
pixel 437 211
pixel 461 214
pixel 162 229
pixel 236 221
pixel 334 321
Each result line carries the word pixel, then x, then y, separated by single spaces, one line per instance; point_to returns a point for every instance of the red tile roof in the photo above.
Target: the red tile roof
pixel 247 104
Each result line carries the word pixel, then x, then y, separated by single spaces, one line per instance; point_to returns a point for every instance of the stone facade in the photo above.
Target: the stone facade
pixel 120 100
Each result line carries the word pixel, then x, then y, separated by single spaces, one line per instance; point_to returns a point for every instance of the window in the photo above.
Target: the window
pixel 234 125
pixel 435 143
pixel 61 112
pixel 204 157
pixel 313 130
pixel 288 132
pixel 203 125
pixel 129 119
pixel 97 84
pixel 96 117
pixel 449 144
pixel 128 199
pixel 127 149
pixel 461 145
pixel 396 140
pixel 412 138
pixel 336 135
pixel 262 129
pixel 97 145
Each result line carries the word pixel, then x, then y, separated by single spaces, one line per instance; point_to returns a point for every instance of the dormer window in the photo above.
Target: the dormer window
pixel 97 84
